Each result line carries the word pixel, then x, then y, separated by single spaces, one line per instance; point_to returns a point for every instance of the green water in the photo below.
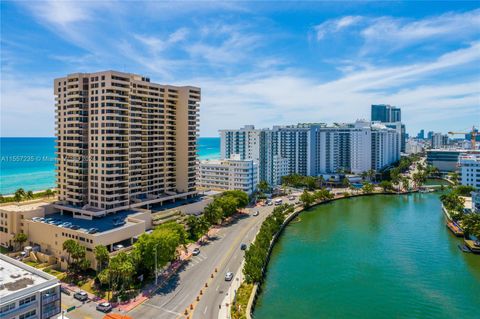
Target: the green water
pixel 371 257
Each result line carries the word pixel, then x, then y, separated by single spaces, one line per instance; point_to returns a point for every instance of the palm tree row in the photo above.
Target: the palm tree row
pixel 22 195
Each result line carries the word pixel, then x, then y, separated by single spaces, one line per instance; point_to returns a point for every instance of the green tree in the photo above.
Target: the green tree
pixel 346 183
pixel 49 193
pixel 213 213
pixel 19 194
pixel 76 256
pixel 29 195
pixel 119 274
pixel 386 186
pixel 228 205
pixel 102 257
pixel 307 199
pixel 263 186
pixel 464 190
pixel 19 239
pixel 367 188
pixel 471 224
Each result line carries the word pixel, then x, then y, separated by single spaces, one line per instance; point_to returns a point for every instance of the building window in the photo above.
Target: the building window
pixel 7 307
pixel 27 300
pixel 27 315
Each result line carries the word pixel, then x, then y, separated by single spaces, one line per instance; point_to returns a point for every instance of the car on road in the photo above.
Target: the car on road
pixel 104 307
pixel 291 197
pixel 80 295
pixel 255 213
pixel 229 276
pixel 196 252
pixel 243 246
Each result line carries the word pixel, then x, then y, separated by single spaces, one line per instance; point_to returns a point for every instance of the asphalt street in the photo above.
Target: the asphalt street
pixel 222 252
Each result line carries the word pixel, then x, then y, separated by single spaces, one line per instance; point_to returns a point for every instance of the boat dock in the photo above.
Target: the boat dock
pixel 473 245
pixel 456 230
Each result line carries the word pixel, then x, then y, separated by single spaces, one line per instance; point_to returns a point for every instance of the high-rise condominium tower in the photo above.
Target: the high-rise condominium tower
pixel 122 141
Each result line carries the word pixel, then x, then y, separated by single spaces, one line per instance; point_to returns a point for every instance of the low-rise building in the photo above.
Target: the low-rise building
pixel 229 174
pixel 446 160
pixel 47 228
pixel 469 166
pixel 26 292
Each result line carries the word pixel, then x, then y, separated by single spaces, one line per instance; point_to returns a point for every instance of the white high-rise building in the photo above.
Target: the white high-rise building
pixel 469 165
pixel 314 149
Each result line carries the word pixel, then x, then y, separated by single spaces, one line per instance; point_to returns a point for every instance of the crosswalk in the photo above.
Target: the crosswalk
pixel 196 260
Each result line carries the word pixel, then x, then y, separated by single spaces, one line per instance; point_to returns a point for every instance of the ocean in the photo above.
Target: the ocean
pixel 29 162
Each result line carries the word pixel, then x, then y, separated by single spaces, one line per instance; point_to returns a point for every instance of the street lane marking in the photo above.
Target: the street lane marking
pixel 161 308
pixel 205 311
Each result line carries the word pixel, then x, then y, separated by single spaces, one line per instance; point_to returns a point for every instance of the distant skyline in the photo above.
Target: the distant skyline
pixel 261 63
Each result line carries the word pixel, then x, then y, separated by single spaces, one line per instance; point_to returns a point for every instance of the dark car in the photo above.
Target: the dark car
pixel 104 307
pixel 80 295
pixel 74 227
pixel 243 246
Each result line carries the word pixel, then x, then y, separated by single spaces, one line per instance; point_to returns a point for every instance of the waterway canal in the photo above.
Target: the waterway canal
pixel 371 257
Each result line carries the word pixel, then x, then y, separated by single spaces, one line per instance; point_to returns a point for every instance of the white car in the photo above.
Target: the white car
pixel 256 213
pixel 118 247
pixel 229 276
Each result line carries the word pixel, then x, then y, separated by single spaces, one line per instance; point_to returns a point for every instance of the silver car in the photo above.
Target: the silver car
pixel 229 276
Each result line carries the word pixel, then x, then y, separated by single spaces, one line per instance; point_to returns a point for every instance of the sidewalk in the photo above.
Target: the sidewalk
pixel 150 289
pixel 224 312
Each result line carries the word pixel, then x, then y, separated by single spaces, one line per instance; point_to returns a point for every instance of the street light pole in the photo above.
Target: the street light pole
pixel 156 272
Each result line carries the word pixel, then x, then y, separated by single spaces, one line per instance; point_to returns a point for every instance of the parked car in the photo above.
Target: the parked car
pixel 118 247
pixel 255 213
pixel 36 219
pixel 74 227
pixel 104 307
pixel 229 276
pixel 196 252
pixel 243 246
pixel 291 197
pixel 92 230
pixel 65 290
pixel 80 295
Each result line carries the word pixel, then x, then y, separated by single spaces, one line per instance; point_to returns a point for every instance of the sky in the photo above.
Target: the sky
pixel 261 63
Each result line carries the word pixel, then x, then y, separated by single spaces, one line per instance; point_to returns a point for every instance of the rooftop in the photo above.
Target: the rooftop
pixel 103 224
pixel 24 207
pixel 16 276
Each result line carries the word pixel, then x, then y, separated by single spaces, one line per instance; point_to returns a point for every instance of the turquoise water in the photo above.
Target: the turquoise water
pixel 30 162
pixel 371 257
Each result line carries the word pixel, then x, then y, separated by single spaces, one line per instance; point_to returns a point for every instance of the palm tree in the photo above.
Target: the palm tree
pixel 48 193
pixel 19 195
pixel 29 195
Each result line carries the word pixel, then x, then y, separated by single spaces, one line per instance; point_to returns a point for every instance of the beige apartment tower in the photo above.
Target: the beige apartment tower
pixel 123 142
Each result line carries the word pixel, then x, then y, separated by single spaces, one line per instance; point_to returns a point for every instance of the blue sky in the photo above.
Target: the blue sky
pixel 261 63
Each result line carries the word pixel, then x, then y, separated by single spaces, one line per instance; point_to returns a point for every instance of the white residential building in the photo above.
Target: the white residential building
pixel 414 147
pixel 312 149
pixel 469 166
pixel 229 174
pixel 26 292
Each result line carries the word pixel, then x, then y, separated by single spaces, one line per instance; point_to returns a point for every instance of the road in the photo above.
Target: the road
pixel 223 253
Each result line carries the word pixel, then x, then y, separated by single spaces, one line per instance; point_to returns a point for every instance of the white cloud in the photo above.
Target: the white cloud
pixel 335 25
pixel 290 97
pixel 397 32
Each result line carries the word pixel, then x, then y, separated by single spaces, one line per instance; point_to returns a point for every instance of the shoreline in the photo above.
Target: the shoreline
pixel 257 286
